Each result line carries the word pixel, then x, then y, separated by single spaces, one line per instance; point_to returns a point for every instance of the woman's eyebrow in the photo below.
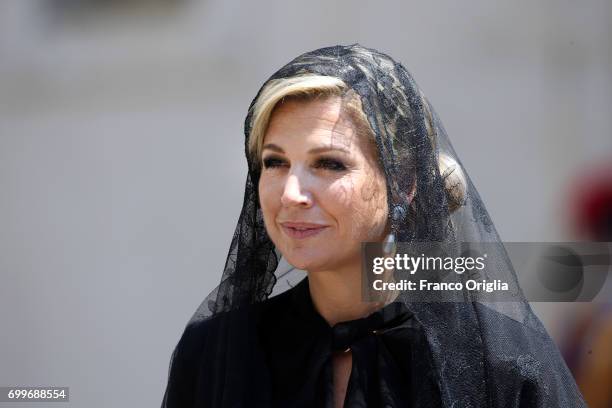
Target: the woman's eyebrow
pixel 324 149
pixel 273 147
pixel 314 150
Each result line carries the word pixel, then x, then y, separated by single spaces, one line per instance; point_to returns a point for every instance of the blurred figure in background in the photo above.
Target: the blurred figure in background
pixel 587 343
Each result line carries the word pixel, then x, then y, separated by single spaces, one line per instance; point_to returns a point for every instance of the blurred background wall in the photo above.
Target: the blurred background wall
pixel 122 165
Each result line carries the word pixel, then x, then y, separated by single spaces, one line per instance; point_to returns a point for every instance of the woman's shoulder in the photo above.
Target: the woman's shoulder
pixel 207 333
pixel 209 347
pixel 200 329
pixel 195 336
pixel 520 351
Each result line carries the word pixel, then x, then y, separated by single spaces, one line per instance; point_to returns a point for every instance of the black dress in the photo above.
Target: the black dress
pixel 282 357
pixel 289 363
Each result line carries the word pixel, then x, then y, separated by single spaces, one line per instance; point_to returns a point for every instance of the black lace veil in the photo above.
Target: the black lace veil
pixel 483 353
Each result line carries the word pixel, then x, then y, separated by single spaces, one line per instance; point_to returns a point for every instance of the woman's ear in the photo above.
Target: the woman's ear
pixel 455 183
pixel 412 192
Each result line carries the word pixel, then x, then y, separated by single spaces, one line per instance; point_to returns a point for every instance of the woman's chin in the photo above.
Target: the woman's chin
pixel 300 263
pixel 308 261
pixel 323 257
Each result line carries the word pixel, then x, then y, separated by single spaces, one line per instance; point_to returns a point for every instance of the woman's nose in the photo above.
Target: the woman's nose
pixel 294 193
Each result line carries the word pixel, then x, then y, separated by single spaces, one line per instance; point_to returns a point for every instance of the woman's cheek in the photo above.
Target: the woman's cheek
pixel 269 189
pixel 269 202
pixel 341 194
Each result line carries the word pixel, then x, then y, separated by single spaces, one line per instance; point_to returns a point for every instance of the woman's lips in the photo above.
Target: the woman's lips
pixel 300 230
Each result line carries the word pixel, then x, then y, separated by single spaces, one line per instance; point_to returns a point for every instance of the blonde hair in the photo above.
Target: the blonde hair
pixel 303 87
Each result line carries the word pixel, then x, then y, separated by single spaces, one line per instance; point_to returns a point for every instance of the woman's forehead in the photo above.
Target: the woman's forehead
pixel 314 122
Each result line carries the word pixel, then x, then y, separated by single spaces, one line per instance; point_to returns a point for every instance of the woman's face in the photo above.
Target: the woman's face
pixel 321 190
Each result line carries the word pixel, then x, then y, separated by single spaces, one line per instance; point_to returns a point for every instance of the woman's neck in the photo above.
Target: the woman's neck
pixel 337 296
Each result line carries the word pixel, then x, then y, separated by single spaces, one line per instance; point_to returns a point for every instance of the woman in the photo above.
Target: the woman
pixel 343 148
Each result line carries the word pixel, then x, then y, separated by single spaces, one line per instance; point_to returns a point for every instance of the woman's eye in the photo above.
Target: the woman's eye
pixel 330 164
pixel 273 162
